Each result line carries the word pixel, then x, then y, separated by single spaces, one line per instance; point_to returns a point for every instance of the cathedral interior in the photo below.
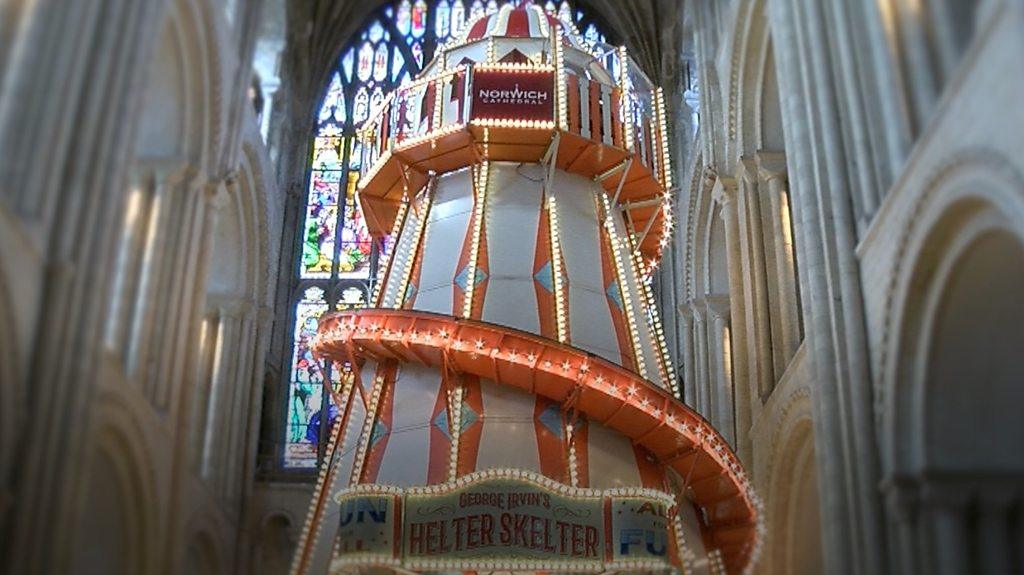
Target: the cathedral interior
pixel 511 286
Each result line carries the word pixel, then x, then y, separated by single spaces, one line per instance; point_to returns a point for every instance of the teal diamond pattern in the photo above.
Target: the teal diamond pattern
pixel 469 417
pixel 379 432
pixel 441 422
pixel 462 279
pixel 544 275
pixel 551 417
pixel 616 296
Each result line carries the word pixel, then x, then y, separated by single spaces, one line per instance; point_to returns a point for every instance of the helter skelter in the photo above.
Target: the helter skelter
pixel 508 404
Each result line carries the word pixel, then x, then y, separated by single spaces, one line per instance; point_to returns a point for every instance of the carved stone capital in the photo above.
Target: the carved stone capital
pixel 230 306
pixel 747 171
pixel 217 194
pixel 709 175
pixel 173 174
pixel 902 496
pixel 724 192
pixel 698 311
pixel 718 306
pixel 771 165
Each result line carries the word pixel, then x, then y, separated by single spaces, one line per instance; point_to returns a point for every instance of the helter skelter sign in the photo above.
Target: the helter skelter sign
pixel 503 520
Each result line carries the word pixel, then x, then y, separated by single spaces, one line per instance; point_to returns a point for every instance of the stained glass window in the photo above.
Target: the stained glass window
pixel 337 257
pixel 307 378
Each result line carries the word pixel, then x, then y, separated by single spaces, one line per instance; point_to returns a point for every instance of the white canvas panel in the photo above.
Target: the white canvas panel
pixel 584 107
pixel 585 60
pixel 508 415
pixel 611 459
pixel 694 541
pixel 476 51
pixel 454 195
pixel 578 230
pixel 590 324
pixel 407 455
pixel 513 215
pixel 442 243
pixel 437 300
pixel 449 107
pixel 531 47
pixel 513 184
pixel 512 303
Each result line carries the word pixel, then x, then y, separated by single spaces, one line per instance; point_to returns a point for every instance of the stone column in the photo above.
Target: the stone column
pixel 821 168
pixel 687 353
pixel 269 87
pixel 700 352
pixel 786 339
pixel 237 430
pixel 221 404
pixel 724 193
pixel 181 244
pixel 901 496
pixel 994 538
pixel 127 262
pixel 720 357
pixel 176 386
pixel 945 532
pixel 755 284
pixel 168 180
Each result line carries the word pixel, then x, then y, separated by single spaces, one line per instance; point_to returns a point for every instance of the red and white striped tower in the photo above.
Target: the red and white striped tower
pixel 509 403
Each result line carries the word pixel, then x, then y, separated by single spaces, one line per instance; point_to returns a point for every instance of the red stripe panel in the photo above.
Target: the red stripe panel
pixel 518 24
pixel 428 103
pixel 440 444
pixel 469 440
pixel 551 448
pixel 459 296
pixel 618 316
pixel 652 475
pixel 580 434
pixel 385 412
pixel 596 121
pixel 647 142
pixel 616 123
pixel 541 259
pixel 565 296
pixel 478 29
pixel 483 264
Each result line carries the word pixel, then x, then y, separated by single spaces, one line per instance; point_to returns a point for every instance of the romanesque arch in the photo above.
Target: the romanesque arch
pixel 202 556
pixel 791 490
pixel 120 509
pixel 952 440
